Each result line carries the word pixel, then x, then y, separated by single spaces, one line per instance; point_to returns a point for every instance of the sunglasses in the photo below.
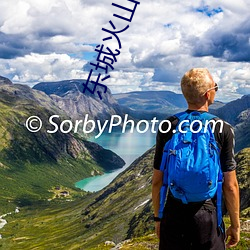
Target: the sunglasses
pixel 216 87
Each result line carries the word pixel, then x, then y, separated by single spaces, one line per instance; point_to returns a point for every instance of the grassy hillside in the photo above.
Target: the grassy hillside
pixel 86 222
pixel 32 163
pixel 54 225
pixel 121 211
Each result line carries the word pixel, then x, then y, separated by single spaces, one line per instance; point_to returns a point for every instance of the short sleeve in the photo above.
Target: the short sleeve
pixel 228 162
pixel 161 140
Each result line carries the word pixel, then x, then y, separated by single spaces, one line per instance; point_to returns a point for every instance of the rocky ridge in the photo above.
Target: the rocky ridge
pixel 69 96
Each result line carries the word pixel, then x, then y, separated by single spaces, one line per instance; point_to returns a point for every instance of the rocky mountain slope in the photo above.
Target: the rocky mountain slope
pixel 31 163
pixel 237 114
pixel 242 130
pixel 4 80
pixel 69 96
pixel 243 175
pixel 232 110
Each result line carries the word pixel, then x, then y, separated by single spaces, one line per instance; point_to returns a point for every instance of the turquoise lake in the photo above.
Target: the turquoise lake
pixel 129 146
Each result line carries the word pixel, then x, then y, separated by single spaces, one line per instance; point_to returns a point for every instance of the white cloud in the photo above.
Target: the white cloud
pixel 47 40
pixel 35 68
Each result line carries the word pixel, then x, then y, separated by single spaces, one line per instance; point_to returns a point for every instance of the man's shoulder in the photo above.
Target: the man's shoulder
pixel 172 119
pixel 227 127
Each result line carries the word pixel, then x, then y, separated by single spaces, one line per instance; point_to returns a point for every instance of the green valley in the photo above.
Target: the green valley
pixel 32 163
pixel 120 212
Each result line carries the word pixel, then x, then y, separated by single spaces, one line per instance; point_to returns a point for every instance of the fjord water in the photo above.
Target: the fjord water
pixel 129 146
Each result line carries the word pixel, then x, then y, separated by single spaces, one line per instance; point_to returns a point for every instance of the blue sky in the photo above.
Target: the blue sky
pixel 55 40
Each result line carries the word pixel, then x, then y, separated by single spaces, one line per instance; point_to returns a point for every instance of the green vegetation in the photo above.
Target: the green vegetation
pixel 32 184
pixel 150 242
pixel 244 235
pixel 243 175
pixel 49 225
pixel 57 225
pixel 32 163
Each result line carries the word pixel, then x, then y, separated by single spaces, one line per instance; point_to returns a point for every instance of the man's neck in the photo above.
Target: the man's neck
pixel 198 107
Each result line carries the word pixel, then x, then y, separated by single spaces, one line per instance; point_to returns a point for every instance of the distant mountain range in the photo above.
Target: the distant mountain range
pixel 139 105
pixel 149 104
pixel 68 96
pixel 143 100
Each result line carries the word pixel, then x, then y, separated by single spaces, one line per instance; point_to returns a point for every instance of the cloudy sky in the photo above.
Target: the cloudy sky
pixel 53 40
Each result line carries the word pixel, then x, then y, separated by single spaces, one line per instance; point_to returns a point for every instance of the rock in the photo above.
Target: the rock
pixel 69 96
pixel 109 243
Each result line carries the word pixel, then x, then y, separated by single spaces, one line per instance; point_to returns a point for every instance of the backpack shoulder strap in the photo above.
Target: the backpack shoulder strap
pixel 208 116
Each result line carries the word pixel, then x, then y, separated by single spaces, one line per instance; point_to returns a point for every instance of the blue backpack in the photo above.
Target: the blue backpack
pixel 191 162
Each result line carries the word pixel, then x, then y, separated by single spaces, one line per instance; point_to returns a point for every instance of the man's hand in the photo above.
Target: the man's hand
pixel 157 228
pixel 233 236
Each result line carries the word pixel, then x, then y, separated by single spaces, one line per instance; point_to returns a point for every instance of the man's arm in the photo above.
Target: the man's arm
pixel 231 195
pixel 157 178
pixel 156 187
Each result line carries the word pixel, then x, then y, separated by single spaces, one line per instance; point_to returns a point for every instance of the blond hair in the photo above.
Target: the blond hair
pixel 195 83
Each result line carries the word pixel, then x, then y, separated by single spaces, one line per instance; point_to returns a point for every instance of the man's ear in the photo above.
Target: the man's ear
pixel 207 95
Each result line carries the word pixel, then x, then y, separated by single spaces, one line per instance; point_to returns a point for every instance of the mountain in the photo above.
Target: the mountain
pixel 216 105
pixel 32 163
pixel 4 80
pixel 242 130
pixel 149 104
pixel 34 166
pixel 237 114
pixel 69 96
pixel 243 174
pixel 232 110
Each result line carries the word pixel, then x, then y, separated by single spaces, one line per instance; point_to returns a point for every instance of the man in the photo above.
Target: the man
pixel 194 225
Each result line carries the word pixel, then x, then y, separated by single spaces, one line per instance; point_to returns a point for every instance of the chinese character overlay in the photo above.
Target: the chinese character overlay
pixel 106 57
